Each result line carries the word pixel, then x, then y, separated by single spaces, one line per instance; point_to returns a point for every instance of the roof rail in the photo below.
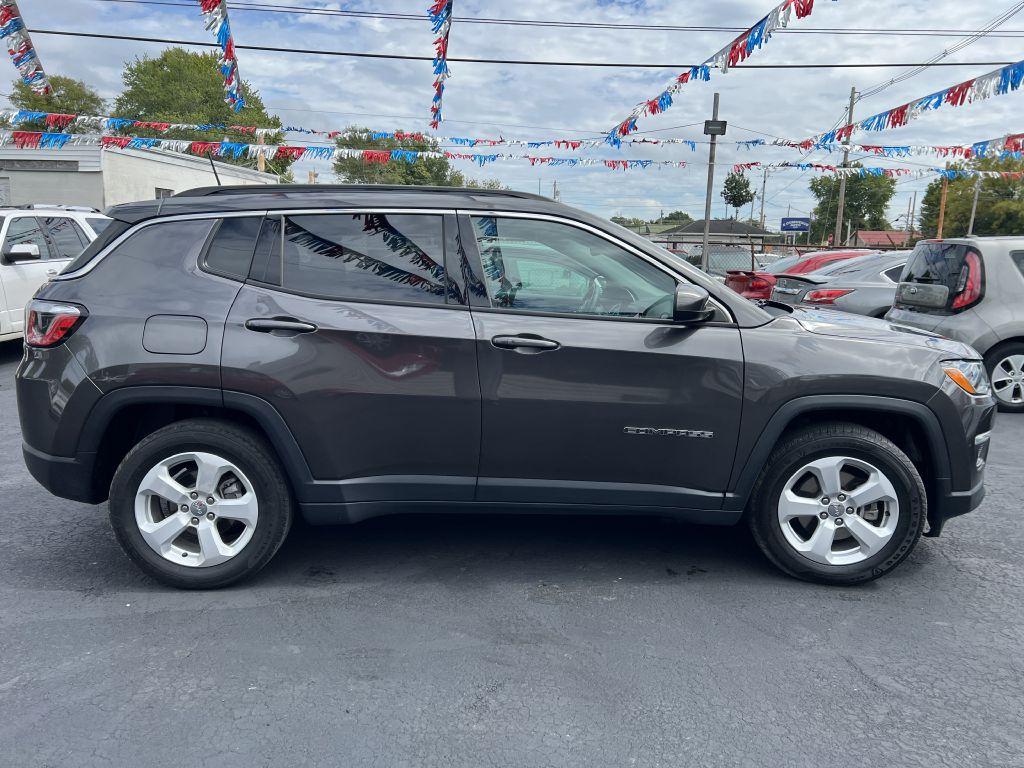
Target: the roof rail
pixel 270 189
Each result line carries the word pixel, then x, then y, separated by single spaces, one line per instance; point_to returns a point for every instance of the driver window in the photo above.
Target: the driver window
pixel 544 266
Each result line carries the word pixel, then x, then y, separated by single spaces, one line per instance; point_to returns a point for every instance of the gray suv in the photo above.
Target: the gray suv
pixel 220 361
pixel 972 290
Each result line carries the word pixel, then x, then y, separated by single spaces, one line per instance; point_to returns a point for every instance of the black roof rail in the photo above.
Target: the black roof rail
pixel 271 189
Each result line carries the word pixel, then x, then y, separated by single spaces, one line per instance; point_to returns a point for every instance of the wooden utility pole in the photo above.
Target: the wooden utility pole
pixel 846 164
pixel 942 206
pixel 261 159
pixel 312 177
pixel 764 186
pixel 714 130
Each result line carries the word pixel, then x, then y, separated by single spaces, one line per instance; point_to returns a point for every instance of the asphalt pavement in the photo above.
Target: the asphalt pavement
pixel 507 641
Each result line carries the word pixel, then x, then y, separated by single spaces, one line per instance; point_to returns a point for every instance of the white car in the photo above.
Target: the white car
pixel 37 242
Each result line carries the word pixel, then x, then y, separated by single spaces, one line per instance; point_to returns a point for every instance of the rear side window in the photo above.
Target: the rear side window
pixel 113 231
pixel 66 238
pixel 894 273
pixel 165 243
pixel 363 256
pixel 98 223
pixel 1018 259
pixel 231 248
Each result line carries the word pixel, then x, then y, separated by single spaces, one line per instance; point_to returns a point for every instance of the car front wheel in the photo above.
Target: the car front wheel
pixel 200 504
pixel 838 504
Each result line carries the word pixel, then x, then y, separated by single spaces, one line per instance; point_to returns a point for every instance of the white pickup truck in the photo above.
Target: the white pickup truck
pixel 37 241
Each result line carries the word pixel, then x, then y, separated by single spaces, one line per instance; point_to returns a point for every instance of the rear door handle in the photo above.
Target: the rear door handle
pixel 287 325
pixel 51 272
pixel 525 343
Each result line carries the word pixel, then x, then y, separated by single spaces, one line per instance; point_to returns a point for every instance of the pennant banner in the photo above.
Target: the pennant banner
pixel 952 173
pixel 216 14
pixel 1006 146
pixel 19 46
pixel 997 83
pixel 440 14
pixel 734 53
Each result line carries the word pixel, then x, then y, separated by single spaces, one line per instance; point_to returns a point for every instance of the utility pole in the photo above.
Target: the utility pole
pixel 910 226
pixel 312 176
pixel 974 205
pixel 913 216
pixel 764 187
pixel 846 163
pixel 261 159
pixel 942 206
pixel 713 128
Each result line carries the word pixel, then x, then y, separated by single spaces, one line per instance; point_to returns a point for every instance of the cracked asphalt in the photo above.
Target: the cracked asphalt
pixel 509 641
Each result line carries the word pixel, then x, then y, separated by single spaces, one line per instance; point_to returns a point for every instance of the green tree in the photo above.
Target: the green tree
pixel 68 97
pixel 630 223
pixel 677 217
pixel 867 198
pixel 432 171
pixel 180 86
pixel 737 191
pixel 1000 202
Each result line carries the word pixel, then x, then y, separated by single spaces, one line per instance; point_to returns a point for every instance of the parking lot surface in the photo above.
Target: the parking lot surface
pixel 507 641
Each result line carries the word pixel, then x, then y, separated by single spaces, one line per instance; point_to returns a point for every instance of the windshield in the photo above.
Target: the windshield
pixel 937 264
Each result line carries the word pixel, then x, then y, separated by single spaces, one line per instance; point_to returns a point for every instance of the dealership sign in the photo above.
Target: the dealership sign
pixel 796 225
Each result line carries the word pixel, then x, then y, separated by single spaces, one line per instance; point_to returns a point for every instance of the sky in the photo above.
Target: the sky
pixel 537 103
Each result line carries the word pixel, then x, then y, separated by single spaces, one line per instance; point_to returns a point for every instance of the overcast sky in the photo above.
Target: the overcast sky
pixel 529 102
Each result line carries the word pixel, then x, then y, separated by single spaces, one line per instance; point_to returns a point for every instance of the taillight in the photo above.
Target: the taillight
pixel 824 296
pixel 758 288
pixel 969 288
pixel 49 323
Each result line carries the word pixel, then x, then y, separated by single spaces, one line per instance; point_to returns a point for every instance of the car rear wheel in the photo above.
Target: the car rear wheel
pixel 838 504
pixel 1005 366
pixel 200 504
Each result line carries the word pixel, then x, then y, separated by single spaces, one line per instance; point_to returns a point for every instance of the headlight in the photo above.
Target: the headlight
pixel 970 375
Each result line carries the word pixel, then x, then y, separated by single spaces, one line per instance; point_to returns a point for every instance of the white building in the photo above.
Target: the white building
pixel 99 178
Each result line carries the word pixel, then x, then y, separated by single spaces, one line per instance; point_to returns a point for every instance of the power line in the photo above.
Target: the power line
pixel 985 31
pixel 463 60
pixel 418 18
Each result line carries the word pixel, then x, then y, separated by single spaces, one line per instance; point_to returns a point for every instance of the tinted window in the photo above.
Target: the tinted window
pixel 66 238
pixel 1018 259
pixel 937 264
pixel 98 224
pixel 373 257
pixel 895 273
pixel 164 244
pixel 113 230
pixel 550 267
pixel 26 230
pixel 231 250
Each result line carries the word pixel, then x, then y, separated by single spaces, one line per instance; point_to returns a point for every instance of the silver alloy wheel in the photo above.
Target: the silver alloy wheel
pixel 838 510
pixel 1008 380
pixel 196 509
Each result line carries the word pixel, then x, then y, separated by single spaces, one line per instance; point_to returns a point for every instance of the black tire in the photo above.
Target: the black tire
pixel 992 359
pixel 244 448
pixel 800 447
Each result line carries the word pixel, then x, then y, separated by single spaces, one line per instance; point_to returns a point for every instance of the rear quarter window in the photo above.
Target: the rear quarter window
pixel 166 244
pixel 111 232
pixel 1018 259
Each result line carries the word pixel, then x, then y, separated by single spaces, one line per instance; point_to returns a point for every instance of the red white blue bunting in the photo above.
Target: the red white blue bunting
pixel 997 83
pixel 19 46
pixel 216 14
pixel 952 173
pixel 236 150
pixel 1009 146
pixel 736 52
pixel 440 13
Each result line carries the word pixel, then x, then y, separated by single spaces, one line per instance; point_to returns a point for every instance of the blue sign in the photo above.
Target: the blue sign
pixel 796 225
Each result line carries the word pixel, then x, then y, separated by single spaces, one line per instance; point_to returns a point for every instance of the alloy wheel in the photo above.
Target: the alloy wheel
pixel 196 509
pixel 838 510
pixel 1008 380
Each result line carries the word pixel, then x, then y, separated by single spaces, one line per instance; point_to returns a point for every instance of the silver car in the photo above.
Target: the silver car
pixel 865 285
pixel 972 290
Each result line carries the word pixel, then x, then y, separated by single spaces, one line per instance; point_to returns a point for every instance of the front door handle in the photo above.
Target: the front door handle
pixel 279 325
pixel 51 272
pixel 525 343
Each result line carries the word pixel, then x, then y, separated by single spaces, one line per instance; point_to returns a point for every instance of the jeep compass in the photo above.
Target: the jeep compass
pixel 222 360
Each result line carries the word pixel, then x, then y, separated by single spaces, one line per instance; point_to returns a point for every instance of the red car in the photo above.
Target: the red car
pixel 759 285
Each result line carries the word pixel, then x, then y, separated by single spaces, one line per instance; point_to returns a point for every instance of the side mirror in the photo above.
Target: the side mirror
pixel 21 252
pixel 691 304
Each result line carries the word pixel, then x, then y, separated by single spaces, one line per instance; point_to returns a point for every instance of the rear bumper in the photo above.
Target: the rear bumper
pixel 67 477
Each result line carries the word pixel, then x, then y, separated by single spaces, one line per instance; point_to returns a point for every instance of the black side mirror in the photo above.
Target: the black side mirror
pixel 691 304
